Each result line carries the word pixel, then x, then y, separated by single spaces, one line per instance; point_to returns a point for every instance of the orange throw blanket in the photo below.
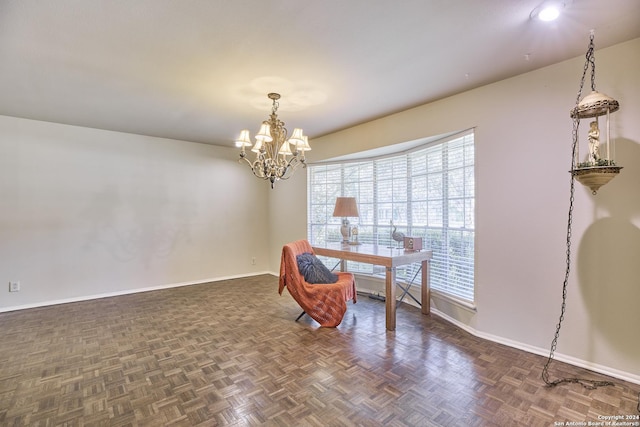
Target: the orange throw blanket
pixel 324 303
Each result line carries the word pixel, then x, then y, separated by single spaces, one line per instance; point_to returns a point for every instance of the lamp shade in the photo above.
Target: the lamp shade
pixel 264 134
pixel 296 137
pixel 304 145
pixel 345 207
pixel 256 148
pixel 244 140
pixel 285 150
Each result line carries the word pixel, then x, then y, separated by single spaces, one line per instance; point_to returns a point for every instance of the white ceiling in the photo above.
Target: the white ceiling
pixel 200 70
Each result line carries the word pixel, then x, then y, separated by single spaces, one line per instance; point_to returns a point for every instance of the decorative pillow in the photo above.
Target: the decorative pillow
pixel 313 270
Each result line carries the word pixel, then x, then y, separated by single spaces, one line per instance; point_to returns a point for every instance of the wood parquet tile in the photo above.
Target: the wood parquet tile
pixel 230 354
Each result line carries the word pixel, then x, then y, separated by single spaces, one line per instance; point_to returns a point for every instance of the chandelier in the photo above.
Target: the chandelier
pixel 272 148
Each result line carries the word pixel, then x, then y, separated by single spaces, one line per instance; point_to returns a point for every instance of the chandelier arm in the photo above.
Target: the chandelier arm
pixel 292 166
pixel 257 169
pixel 255 166
pixel 260 168
pixel 244 159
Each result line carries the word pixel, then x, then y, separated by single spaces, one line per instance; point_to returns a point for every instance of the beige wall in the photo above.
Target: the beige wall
pixel 523 148
pixel 87 212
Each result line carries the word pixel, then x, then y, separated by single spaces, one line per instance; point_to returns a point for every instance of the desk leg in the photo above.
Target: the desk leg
pixel 390 298
pixel 426 290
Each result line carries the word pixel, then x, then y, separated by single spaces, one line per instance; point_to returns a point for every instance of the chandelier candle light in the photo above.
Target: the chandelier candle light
pixel 273 149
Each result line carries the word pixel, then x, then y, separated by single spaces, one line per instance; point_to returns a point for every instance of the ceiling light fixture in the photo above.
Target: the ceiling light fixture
pixel 547 11
pixel 272 148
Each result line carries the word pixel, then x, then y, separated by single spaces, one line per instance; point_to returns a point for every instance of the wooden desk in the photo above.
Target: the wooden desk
pixel 390 258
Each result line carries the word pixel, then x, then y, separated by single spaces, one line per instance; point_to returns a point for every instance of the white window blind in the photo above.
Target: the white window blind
pixel 428 192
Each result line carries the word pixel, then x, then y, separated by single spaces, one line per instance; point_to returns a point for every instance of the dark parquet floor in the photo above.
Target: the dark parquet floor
pixel 230 354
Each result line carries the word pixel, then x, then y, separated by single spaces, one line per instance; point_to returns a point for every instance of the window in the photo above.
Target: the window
pixel 427 192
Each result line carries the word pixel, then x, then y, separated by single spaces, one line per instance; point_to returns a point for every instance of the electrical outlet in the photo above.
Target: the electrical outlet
pixel 14 286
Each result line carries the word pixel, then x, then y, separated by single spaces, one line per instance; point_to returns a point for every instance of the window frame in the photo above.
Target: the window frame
pixel 394 190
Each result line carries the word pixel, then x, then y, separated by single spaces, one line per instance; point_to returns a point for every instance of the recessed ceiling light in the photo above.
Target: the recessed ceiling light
pixel 547 11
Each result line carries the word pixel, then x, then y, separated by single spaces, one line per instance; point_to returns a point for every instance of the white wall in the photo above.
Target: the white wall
pixel 87 212
pixel 288 215
pixel 523 148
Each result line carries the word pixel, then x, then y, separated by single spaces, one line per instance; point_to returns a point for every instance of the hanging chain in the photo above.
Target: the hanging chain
pixel 590 59
pixel 589 384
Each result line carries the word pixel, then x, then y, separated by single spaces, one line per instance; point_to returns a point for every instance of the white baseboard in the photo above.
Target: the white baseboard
pixel 128 292
pixel 606 370
pixel 615 373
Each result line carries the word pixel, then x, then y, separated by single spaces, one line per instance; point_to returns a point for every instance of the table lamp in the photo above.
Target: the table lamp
pixel 345 207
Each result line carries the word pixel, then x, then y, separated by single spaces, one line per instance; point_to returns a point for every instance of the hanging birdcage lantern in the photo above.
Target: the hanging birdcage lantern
pixel 598 167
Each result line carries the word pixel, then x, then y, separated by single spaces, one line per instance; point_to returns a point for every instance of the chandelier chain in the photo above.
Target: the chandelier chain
pixel 586 383
pixel 592 60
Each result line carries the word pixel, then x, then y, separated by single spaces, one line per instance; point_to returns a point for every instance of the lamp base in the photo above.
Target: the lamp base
pixel 345 230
